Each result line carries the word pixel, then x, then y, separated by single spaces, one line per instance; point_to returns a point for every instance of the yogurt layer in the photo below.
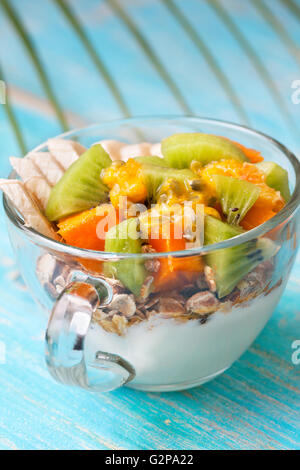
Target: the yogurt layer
pixel 165 352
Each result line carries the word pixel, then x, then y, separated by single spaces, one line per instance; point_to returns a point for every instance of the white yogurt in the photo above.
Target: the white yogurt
pixel 167 354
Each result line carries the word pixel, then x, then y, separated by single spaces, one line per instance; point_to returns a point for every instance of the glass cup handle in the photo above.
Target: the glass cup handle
pixel 68 326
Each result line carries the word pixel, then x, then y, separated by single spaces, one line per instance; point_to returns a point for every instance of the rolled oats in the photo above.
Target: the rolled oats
pixel 120 323
pixel 202 303
pixel 146 288
pixel 123 303
pixel 153 300
pixel 108 326
pixel 170 307
pixel 152 265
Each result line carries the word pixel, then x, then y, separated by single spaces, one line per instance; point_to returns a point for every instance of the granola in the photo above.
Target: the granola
pixel 180 306
pixel 179 287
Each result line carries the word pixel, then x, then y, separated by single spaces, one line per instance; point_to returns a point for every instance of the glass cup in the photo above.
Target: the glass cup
pixel 99 337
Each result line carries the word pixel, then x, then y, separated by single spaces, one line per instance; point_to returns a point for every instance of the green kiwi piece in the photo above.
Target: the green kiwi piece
pixel 80 187
pixel 276 177
pixel 124 238
pixel 154 176
pixel 179 150
pixel 236 196
pixel 231 265
pixel 152 160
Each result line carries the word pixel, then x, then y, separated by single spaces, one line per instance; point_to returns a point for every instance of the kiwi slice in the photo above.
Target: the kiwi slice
pixel 154 176
pixel 231 265
pixel 124 238
pixel 236 196
pixel 80 187
pixel 276 177
pixel 180 150
pixel 152 160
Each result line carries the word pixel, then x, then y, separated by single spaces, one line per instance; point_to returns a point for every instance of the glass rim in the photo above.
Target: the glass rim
pixel 284 214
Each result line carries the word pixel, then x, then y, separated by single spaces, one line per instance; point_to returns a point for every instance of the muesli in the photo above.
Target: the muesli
pixel 161 202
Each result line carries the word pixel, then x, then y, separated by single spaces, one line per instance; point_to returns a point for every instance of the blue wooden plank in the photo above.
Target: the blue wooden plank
pixel 256 403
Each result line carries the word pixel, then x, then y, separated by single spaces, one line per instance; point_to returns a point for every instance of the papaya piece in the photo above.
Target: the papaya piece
pixel 174 272
pixel 257 215
pixel 87 229
pixel 254 156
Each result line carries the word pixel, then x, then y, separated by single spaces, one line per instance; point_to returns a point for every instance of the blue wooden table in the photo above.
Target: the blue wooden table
pixel 71 63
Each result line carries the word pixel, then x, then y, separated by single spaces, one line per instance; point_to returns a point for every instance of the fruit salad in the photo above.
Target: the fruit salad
pixel 179 195
pixel 150 215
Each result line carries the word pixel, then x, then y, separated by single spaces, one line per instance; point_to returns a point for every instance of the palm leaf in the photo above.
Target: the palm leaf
pixel 293 7
pixel 13 121
pixel 208 56
pixel 257 63
pixel 75 23
pixel 149 52
pixel 29 46
pixel 278 27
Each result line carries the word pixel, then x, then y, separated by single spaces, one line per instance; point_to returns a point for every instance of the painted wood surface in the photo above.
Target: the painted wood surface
pixel 220 58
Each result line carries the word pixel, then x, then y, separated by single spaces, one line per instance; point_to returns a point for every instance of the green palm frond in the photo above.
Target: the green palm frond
pixel 77 27
pixel 149 52
pixel 13 120
pixel 293 7
pixel 278 27
pixel 257 63
pixel 29 46
pixel 208 56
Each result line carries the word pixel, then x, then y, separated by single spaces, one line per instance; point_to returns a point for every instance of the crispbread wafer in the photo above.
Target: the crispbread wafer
pixel 35 182
pixel 27 206
pixel 120 151
pixel 112 147
pixel 135 150
pixel 40 171
pixel 24 167
pixel 48 166
pixel 65 151
pixel 155 149
pixel 38 187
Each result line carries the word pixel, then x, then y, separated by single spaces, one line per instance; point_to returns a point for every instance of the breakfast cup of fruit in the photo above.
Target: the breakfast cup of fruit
pixel 158 247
